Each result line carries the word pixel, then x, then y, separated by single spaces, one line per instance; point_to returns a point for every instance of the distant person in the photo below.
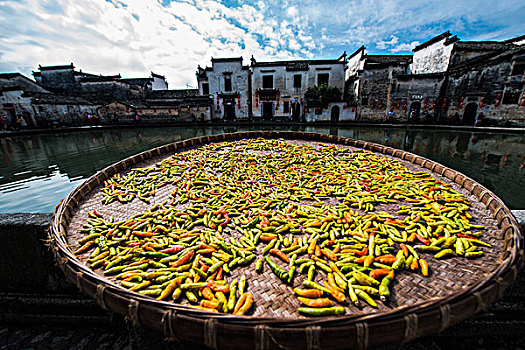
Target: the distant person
pixel 137 119
pixel 412 116
pixel 90 119
pixel 391 117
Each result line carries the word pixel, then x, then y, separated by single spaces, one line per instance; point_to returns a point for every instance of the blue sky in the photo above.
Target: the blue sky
pixel 134 37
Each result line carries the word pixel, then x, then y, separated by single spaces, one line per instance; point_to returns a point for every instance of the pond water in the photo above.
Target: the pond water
pixel 36 171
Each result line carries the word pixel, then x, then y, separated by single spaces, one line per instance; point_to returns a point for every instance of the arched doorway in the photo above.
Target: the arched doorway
pixel 413 113
pixel 469 116
pixel 334 115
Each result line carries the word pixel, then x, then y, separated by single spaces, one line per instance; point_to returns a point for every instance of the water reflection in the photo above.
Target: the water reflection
pixel 37 171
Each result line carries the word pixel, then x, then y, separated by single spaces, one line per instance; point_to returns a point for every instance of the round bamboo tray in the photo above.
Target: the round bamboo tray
pixel 457 290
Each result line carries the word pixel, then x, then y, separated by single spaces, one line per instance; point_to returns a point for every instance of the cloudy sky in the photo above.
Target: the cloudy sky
pixel 134 37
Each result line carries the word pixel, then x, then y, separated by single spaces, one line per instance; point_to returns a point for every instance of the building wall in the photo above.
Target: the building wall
pixel 283 81
pixel 63 79
pixel 240 85
pixel 489 87
pixel 419 93
pixel 433 58
pixel 48 115
pixel 159 83
pixel 14 105
pixel 346 113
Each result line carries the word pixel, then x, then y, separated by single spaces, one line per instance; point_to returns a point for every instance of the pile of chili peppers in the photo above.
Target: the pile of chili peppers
pixel 311 210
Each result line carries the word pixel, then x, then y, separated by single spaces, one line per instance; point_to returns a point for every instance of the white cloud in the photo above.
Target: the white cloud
pixel 133 37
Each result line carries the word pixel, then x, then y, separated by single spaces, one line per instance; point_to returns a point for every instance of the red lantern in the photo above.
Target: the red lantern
pixel 353 109
pixel 140 110
pixel 523 101
pixel 306 110
pixel 197 109
pixel 344 106
pixel 372 105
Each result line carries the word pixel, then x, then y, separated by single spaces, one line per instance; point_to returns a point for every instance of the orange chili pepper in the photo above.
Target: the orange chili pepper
pixel 386 259
pixel 320 302
pixel 309 293
pixel 377 273
pixel 216 287
pixel 142 234
pixel 311 247
pixel 280 255
pixel 210 304
pixel 404 248
pixel 412 237
pixel 84 247
pixel 422 239
pixel 245 305
pixel 317 251
pixel 424 267
pixel 184 259
pixel 207 293
pixel 414 265
pixel 337 248
pixel 329 254
pixel 340 297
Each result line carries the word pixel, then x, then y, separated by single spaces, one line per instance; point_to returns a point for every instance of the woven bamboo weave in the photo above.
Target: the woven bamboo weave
pixel 457 289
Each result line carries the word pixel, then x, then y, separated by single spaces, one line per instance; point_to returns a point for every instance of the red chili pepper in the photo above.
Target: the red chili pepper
pixel 97 213
pixel 172 250
pixel 422 239
pixel 280 254
pixel 264 238
pixel 404 248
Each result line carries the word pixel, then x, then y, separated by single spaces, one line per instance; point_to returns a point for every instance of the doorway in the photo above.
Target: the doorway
pixel 229 111
pixel 413 114
pixel 334 115
pixel 296 111
pixel 267 109
pixel 469 116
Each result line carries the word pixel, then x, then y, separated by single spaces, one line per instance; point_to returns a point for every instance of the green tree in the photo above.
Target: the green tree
pixel 321 95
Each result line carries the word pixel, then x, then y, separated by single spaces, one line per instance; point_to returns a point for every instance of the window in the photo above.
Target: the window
pixel 206 88
pixel 511 97
pixel 297 81
pixel 286 106
pixel 267 81
pixel 322 78
pixel 228 84
pixel 518 68
pixel 512 93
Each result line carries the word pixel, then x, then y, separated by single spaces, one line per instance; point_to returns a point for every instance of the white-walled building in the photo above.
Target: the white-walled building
pixel 227 82
pixel 278 88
